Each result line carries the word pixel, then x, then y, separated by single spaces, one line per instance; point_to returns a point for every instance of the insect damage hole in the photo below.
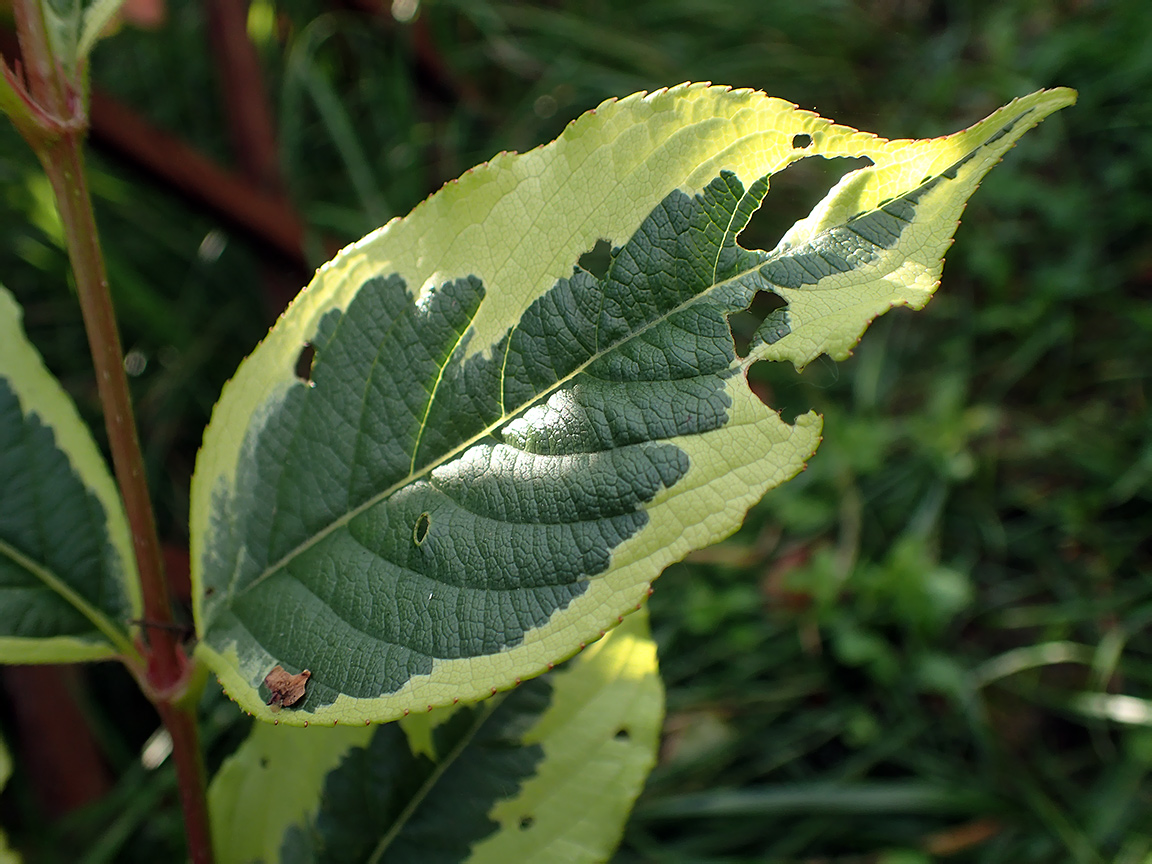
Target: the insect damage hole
pixel 791 196
pixel 304 361
pixel 780 387
pixel 744 324
pixel 801 141
pixel 420 529
pixel 623 734
pixel 598 259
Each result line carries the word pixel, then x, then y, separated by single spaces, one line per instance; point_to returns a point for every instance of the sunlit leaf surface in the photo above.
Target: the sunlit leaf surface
pixel 489 450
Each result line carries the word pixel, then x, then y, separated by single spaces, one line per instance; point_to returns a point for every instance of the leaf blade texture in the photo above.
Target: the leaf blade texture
pixel 68 586
pixel 495 451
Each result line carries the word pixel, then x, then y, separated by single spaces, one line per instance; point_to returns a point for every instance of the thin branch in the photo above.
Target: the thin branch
pixel 182 726
pixel 64 165
pixel 166 677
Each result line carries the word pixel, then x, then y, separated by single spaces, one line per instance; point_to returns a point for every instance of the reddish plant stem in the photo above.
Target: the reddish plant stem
pixel 44 85
pixel 185 731
pixel 57 93
pixel 64 164
pixel 167 665
pixel 251 123
pixel 242 81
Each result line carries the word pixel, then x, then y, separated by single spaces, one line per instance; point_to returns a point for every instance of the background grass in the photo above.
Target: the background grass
pixel 932 645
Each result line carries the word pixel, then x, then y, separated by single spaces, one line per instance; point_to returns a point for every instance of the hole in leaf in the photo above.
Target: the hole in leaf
pixel 598 259
pixel 780 388
pixel 744 324
pixel 420 530
pixel 304 362
pixel 623 735
pixel 526 822
pixel 792 195
pixel 802 140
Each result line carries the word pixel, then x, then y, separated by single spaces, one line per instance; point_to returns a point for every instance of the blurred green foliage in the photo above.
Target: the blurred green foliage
pixel 932 645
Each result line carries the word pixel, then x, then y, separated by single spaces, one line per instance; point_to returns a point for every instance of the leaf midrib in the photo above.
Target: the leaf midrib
pixel 54 583
pixel 487 709
pixel 488 430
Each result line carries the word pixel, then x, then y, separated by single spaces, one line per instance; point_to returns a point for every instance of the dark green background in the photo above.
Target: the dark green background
pixel 983 487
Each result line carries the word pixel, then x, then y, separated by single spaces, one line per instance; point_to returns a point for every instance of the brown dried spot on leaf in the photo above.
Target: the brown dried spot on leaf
pixel 285 689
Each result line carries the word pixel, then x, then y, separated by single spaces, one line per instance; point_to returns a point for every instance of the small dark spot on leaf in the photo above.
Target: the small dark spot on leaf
pixel 598 259
pixel 209 591
pixel 526 822
pixel 304 363
pixel 263 761
pixel 284 688
pixel 801 141
pixel 623 735
pixel 420 530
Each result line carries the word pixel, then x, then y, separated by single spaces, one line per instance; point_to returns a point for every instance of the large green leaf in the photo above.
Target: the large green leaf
pixel 68 585
pixel 496 451
pixel 546 773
